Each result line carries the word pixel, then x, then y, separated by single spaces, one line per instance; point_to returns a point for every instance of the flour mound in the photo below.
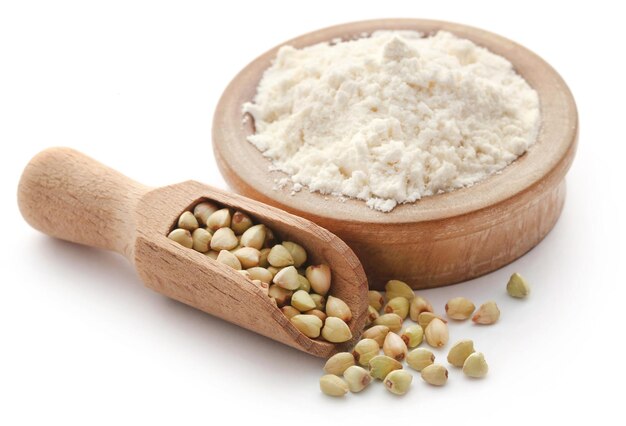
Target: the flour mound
pixel 392 118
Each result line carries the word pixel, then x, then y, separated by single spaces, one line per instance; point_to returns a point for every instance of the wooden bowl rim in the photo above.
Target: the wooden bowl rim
pixel 239 160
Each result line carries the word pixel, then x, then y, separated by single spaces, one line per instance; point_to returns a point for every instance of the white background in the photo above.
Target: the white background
pixel 135 84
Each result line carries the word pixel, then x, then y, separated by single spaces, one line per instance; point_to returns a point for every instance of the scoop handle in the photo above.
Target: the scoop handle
pixel 68 195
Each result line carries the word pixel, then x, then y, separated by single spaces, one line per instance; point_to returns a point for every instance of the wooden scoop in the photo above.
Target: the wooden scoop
pixel 68 195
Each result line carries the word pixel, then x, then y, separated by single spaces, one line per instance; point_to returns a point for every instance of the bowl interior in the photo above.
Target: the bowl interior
pixel 246 170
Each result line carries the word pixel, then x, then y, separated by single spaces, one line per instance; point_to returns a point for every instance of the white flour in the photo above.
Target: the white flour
pixel 392 118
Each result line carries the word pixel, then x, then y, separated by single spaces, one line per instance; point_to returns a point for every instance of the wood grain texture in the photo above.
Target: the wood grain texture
pixel 441 239
pixel 70 196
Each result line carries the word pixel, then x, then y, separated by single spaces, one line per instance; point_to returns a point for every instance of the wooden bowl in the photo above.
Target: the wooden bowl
pixel 441 239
